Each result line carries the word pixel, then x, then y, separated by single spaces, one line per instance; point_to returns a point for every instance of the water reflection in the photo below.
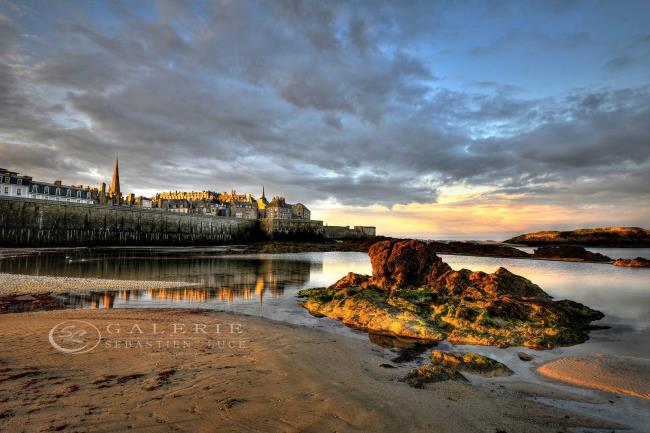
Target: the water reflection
pixel 228 295
pixel 218 279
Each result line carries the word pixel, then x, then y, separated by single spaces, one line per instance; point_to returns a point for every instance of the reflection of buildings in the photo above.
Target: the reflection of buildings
pixel 220 280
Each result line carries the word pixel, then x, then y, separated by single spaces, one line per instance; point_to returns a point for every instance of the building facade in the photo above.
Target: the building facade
pixel 246 209
pixel 300 211
pixel 278 209
pixel 13 184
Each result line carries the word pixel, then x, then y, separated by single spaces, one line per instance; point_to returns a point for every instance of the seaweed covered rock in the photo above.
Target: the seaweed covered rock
pixel 449 365
pixel 404 264
pixel 639 262
pixel 412 293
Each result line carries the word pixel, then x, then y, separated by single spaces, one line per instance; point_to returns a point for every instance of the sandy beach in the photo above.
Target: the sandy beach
pixel 619 375
pixel 18 284
pixel 266 376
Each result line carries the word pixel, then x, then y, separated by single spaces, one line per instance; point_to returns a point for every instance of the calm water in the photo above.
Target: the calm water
pixel 266 285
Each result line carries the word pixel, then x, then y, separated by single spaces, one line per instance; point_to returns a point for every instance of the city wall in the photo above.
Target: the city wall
pixel 37 223
pixel 275 229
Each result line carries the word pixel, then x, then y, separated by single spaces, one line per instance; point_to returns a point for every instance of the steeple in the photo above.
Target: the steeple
pixel 263 194
pixel 114 190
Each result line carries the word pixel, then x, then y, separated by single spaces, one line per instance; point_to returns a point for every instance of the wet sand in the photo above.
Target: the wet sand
pixel 269 377
pixel 18 284
pixel 615 374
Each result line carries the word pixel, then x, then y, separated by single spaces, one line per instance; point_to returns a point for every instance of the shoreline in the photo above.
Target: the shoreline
pixel 289 376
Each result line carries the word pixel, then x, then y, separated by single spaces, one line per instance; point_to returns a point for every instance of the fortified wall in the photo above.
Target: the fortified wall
pixel 294 229
pixel 38 223
pixel 345 232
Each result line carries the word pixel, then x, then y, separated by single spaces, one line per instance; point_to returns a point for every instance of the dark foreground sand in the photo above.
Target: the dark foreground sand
pixel 274 378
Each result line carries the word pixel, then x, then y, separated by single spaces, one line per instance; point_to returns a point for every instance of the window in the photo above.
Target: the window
pixel 58 191
pixel 6 190
pixel 34 188
pixel 19 181
pixel 69 193
pixel 19 191
pixel 47 190
pixel 89 195
pixel 78 194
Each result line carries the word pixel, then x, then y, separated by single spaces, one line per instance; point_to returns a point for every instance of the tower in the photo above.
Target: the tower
pixel 262 202
pixel 114 192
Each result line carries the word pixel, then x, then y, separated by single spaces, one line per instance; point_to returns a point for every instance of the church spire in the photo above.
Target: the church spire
pixel 114 190
pixel 263 194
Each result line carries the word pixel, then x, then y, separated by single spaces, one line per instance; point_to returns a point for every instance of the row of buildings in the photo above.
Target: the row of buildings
pixel 231 204
pixel 226 204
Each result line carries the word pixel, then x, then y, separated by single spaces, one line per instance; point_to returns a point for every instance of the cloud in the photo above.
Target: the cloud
pixel 318 101
pixel 620 62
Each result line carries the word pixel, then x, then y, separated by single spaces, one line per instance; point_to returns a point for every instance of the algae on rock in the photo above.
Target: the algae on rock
pixel 413 293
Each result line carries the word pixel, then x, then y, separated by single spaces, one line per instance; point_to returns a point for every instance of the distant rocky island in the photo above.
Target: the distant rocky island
pixel 412 293
pixel 598 237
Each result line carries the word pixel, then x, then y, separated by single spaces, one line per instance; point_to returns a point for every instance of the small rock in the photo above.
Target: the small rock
pixel 525 356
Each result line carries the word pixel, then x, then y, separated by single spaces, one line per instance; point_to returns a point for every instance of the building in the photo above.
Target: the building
pixel 246 209
pixel 13 184
pixel 300 211
pixel 206 196
pixel 240 205
pixel 366 230
pixel 278 209
pixel 143 202
pixel 178 206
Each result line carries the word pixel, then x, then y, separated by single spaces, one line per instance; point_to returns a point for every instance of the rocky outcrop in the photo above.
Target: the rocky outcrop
pixel 477 249
pixel 449 365
pixel 404 264
pixel 610 237
pixel 412 293
pixel 639 262
pixel 571 253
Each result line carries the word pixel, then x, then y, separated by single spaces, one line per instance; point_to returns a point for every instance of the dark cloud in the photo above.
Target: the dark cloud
pixel 316 100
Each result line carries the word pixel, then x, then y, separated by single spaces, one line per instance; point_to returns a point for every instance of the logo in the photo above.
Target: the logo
pixel 74 337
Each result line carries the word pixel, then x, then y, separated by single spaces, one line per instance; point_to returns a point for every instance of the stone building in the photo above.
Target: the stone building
pixel 178 206
pixel 205 196
pixel 366 230
pixel 246 209
pixel 278 209
pixel 240 205
pixel 300 211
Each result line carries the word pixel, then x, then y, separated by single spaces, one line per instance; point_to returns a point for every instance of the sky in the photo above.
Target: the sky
pixel 430 119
